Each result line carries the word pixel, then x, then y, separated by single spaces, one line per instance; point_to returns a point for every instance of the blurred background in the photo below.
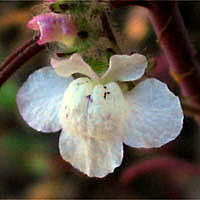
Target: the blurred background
pixel 30 164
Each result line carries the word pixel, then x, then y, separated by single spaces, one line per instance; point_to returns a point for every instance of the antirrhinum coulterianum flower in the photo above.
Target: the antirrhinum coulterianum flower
pixel 96 117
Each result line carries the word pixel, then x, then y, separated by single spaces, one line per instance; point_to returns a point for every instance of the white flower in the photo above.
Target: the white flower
pixel 95 116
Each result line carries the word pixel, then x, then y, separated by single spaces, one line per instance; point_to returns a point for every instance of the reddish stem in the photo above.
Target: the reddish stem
pixel 174 40
pixel 167 164
pixel 125 3
pixel 18 58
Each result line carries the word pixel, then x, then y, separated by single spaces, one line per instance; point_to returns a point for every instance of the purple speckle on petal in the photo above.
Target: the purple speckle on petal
pixel 90 99
pixel 105 94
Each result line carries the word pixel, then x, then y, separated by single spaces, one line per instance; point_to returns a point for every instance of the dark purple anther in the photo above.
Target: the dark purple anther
pixel 90 99
pixel 105 94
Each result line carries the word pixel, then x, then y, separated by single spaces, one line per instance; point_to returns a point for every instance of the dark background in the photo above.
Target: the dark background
pixel 30 164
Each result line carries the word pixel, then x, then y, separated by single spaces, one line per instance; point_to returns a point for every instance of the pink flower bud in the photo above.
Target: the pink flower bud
pixel 54 27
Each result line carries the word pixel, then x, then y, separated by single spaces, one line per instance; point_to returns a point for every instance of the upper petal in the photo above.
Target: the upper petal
pixel 96 158
pixel 156 116
pixel 74 64
pixel 40 97
pixel 126 68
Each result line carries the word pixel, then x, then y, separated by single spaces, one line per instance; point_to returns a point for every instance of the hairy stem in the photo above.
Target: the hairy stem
pixel 108 30
pixel 18 58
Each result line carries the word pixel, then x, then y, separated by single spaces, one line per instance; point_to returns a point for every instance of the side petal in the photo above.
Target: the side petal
pixel 96 158
pixel 156 116
pixel 75 64
pixel 39 99
pixel 126 68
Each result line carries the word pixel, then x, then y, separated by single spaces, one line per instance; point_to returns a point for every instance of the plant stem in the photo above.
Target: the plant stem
pixel 191 110
pixel 164 164
pixel 108 31
pixel 125 3
pixel 174 41
pixel 18 58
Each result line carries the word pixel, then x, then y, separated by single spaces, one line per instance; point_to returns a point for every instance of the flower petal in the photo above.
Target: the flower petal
pixel 39 99
pixel 98 111
pixel 126 68
pixel 156 115
pixel 75 64
pixel 94 157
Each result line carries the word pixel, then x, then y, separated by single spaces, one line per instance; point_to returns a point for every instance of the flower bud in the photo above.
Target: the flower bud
pixel 55 27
